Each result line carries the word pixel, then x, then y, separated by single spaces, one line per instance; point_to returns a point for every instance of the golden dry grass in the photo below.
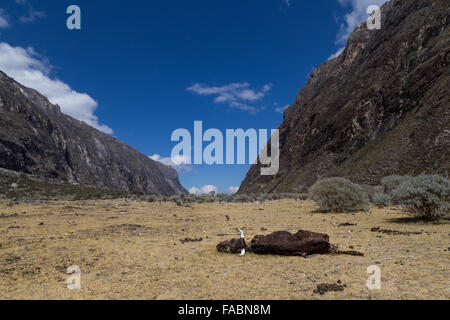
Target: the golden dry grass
pixel 138 255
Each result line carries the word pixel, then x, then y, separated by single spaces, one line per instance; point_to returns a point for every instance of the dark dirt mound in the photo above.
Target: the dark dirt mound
pixel 329 287
pixel 303 243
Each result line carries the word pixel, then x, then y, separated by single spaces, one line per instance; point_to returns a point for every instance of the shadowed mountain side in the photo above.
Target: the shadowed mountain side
pixel 382 107
pixel 37 138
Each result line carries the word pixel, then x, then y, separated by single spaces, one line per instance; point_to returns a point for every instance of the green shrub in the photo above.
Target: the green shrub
pixel 381 200
pixel 393 182
pixel 339 195
pixel 425 196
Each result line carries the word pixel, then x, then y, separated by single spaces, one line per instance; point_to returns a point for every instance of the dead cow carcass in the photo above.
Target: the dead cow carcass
pixel 302 243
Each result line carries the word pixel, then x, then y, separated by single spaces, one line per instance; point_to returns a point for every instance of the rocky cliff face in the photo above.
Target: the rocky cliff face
pixel 36 138
pixel 382 107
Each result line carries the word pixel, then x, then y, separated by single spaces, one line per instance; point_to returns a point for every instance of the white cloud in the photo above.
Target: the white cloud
pixel 178 162
pixel 32 14
pixel 355 17
pixel 236 95
pixel 204 190
pixel 233 190
pixel 288 2
pixel 282 109
pixel 4 23
pixel 31 70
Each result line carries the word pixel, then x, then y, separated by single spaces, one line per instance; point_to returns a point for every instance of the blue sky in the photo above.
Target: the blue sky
pixel 141 69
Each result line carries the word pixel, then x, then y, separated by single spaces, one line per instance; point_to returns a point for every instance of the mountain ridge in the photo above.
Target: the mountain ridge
pixel 37 138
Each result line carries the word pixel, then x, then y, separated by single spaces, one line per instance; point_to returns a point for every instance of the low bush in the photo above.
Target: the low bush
pixel 391 183
pixel 381 200
pixel 425 196
pixel 339 195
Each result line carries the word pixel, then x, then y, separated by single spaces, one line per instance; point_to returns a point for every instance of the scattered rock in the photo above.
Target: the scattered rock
pixel 15 186
pixel 6 216
pixel 183 241
pixel 12 259
pixel 232 246
pixel 347 224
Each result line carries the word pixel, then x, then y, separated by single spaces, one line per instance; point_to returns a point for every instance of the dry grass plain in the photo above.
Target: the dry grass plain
pixel 132 250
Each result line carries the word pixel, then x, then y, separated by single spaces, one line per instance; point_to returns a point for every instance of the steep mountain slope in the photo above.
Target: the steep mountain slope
pixel 382 107
pixel 36 138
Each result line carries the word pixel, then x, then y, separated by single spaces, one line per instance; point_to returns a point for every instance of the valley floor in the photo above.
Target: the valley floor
pixel 132 250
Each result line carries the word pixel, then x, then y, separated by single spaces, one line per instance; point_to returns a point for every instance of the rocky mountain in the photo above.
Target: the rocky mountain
pixel 37 138
pixel 382 107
